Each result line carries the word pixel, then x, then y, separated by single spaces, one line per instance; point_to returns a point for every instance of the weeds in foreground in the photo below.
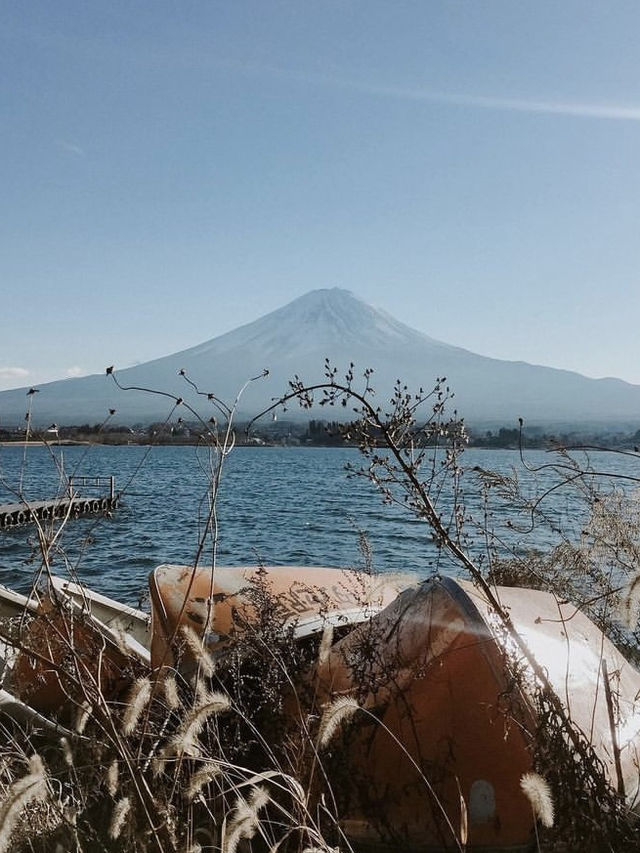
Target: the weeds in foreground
pixel 171 762
pixel 229 749
pixel 200 756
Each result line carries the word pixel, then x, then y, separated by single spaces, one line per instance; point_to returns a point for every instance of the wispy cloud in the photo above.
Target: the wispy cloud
pixel 75 371
pixel 13 373
pixel 70 148
pixel 575 109
pixel 617 112
pixel 12 377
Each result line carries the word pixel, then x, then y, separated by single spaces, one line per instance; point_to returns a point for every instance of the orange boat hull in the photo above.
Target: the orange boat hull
pixel 439 752
pixel 205 600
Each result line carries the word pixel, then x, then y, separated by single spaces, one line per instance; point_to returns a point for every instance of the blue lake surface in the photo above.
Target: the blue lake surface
pixel 276 505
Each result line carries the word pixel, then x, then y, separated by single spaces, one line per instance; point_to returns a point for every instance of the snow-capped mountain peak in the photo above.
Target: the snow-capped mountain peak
pixel 333 323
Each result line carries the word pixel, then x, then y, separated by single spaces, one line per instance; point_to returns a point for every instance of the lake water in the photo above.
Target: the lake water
pixel 278 505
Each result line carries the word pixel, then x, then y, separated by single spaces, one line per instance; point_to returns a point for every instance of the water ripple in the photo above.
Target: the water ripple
pixel 278 505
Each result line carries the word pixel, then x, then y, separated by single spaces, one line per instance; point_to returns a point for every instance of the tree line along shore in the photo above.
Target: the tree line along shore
pixel 315 433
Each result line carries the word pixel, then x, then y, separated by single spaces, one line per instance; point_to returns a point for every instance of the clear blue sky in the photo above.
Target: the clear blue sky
pixel 171 170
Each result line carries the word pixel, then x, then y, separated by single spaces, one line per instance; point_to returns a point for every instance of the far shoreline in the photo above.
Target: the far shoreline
pixel 39 443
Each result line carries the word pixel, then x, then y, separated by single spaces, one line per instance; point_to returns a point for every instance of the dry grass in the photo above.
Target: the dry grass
pixel 234 753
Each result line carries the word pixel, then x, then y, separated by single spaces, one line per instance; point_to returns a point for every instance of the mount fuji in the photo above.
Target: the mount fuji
pixel 296 339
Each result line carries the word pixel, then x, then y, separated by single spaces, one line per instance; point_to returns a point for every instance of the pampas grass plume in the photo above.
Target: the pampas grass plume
pixel 537 791
pixel 197 649
pixel 158 764
pixel 258 799
pixel 112 777
pixel 245 820
pixel 334 715
pixel 202 778
pixel 31 787
pixel 325 644
pixel 82 716
pixel 136 703
pixel 209 703
pixel 120 812
pixel 170 689
pixel 185 740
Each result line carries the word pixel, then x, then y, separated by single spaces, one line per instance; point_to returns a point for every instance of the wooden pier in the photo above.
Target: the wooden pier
pixel 71 505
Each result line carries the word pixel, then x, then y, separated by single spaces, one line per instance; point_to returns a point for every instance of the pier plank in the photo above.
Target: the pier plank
pixel 27 512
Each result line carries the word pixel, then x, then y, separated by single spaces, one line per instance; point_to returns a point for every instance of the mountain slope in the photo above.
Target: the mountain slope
pixel 296 339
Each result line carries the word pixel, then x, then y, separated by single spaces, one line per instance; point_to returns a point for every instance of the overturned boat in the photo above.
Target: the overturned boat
pixel 455 718
pixel 309 598
pixel 449 716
